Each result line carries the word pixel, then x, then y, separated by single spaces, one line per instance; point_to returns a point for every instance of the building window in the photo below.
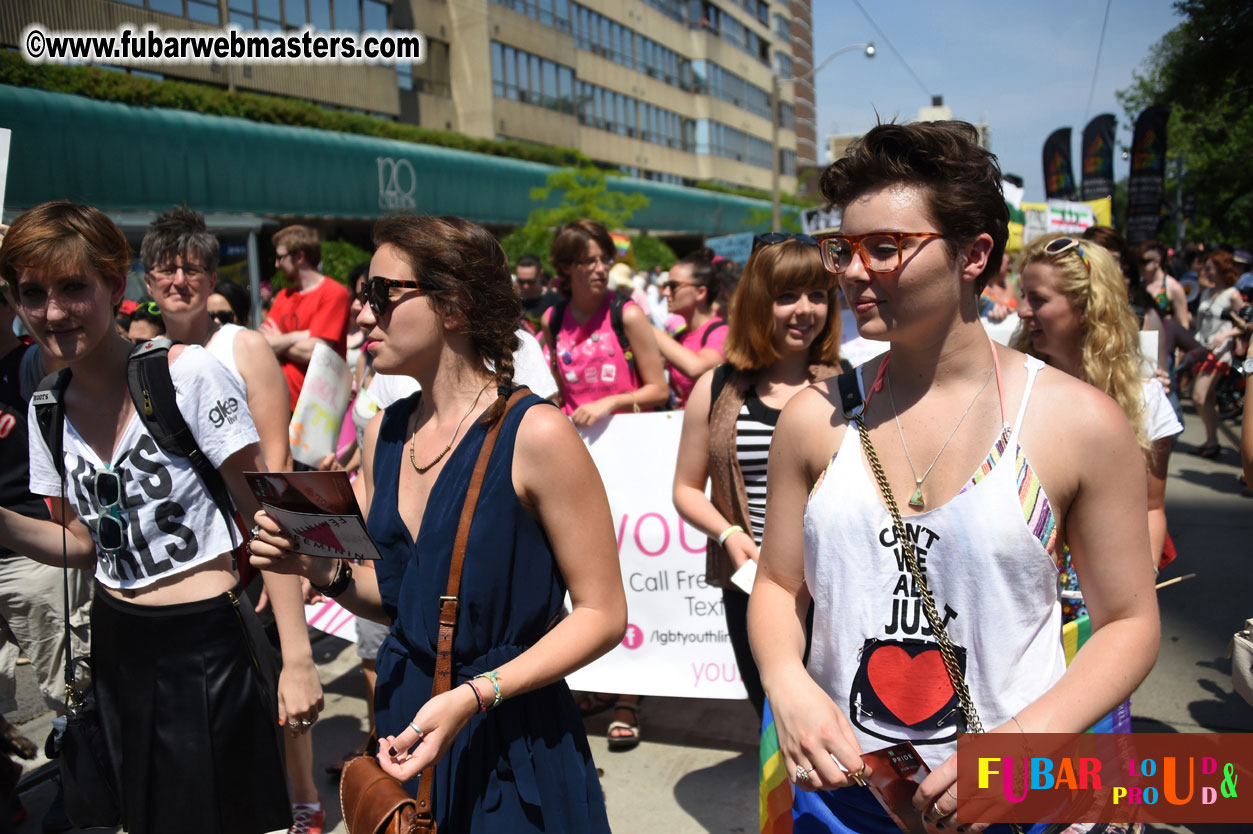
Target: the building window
pixel 782 29
pixel 520 76
pixel 787 116
pixel 434 75
pixel 708 77
pixel 555 13
pixel 716 139
pixel 787 162
pixel 673 9
pixel 782 65
pixel 725 26
pixel 348 15
pixel 320 14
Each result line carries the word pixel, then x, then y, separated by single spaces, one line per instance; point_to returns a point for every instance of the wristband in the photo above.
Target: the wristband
pixel 340 582
pixel 494 678
pixel 728 533
pixel 477 696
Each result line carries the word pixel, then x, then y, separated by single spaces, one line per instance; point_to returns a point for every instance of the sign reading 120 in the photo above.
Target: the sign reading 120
pixel 397 183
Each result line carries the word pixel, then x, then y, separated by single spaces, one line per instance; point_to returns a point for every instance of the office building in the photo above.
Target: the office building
pixel 674 91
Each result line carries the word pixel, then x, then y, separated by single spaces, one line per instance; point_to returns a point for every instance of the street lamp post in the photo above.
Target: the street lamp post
pixel 775 81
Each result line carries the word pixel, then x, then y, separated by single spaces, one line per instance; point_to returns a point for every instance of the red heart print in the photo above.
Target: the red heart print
pixel 913 688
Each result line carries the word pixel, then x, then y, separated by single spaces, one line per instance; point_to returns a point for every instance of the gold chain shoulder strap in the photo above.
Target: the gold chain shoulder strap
pixel 928 601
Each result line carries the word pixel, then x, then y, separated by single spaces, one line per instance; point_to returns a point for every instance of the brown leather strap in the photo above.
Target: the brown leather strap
pixel 448 603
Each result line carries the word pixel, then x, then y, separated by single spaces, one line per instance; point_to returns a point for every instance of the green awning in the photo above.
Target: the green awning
pixel 123 158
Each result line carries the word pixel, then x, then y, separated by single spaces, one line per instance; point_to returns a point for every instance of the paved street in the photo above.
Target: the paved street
pixel 696 769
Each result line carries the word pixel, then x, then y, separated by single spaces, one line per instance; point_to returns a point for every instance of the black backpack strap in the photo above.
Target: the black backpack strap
pixel 152 391
pixel 850 396
pixel 616 306
pixel 49 404
pixel 704 339
pixel 556 313
pixel 48 401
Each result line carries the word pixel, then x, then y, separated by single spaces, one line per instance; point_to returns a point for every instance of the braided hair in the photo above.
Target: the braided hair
pixel 464 272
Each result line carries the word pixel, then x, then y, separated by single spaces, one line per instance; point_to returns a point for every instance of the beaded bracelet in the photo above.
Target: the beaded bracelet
pixel 728 533
pixel 494 678
pixel 477 696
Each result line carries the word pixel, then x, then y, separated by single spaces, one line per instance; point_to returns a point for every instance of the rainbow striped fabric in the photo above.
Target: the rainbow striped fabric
pixel 774 791
pixel 1074 635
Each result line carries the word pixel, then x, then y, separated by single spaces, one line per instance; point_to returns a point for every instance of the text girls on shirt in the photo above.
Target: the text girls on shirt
pixel 170 521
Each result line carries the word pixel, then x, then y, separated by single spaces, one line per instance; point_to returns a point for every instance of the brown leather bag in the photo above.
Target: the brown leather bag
pixel 372 801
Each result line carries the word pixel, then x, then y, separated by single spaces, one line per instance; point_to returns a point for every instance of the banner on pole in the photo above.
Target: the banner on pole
pixel 676 642
pixel 1059 174
pixel 1148 175
pixel 1098 157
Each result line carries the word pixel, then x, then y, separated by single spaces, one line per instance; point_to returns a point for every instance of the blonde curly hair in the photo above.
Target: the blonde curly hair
pixel 1110 353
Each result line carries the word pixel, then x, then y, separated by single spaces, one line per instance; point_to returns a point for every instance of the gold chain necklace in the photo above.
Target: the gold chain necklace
pixel 916 500
pixel 422 470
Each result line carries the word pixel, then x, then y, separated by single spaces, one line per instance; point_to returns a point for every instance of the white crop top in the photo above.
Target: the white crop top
pixel 171 521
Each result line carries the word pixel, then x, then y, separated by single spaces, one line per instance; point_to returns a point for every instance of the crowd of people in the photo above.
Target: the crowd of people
pixel 201 660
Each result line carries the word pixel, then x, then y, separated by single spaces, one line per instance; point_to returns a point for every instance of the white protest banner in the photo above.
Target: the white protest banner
pixel 676 642
pixel 820 219
pixel 1056 216
pixel 320 410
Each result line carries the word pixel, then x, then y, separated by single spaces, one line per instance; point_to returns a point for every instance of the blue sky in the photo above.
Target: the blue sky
pixel 1024 68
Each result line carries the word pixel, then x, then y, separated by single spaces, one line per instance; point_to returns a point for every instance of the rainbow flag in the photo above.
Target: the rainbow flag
pixel 774 791
pixel 1074 634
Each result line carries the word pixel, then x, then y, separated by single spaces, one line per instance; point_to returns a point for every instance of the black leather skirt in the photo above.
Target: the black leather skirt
pixel 187 695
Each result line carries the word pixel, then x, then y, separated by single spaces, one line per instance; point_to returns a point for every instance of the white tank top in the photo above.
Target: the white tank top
pixel 987 557
pixel 222 347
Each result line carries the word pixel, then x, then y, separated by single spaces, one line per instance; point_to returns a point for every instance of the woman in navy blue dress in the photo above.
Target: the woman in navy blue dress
pixel 442 310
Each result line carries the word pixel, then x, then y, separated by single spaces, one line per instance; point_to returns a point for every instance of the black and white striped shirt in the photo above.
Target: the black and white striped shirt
pixel 754 426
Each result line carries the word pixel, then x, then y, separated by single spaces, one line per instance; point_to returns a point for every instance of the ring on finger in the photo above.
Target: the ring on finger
pixel 802 774
pixel 255 531
pixel 416 729
pixel 857 776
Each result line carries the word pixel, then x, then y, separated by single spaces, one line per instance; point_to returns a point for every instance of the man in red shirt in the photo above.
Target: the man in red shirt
pixel 314 309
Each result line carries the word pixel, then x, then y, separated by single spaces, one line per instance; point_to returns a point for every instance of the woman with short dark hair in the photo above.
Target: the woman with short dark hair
pixel 183 680
pixel 919 502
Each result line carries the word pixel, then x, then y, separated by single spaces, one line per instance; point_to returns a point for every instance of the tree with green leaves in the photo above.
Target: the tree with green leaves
pixel 584 193
pixel 1201 69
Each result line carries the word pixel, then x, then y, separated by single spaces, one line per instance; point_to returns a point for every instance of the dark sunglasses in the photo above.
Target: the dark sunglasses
pixel 771 238
pixel 223 316
pixel 377 292
pixel 106 487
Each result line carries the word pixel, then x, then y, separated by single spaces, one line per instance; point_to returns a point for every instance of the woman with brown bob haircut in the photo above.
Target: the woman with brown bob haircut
pixel 184 688
pixel 505 746
pixel 784 334
pixel 598 375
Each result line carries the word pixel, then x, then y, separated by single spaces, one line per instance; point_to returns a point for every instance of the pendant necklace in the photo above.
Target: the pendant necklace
pixel 424 469
pixel 917 501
